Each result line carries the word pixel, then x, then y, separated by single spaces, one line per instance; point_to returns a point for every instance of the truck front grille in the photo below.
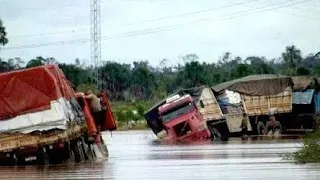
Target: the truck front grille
pixel 182 128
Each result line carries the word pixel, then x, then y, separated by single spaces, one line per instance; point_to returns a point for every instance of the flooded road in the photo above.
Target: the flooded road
pixel 135 155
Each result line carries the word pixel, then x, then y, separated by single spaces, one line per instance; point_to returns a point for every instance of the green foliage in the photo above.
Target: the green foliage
pixel 3 34
pixel 301 71
pixel 38 61
pixel 121 115
pixel 142 82
pixel 75 74
pixel 85 87
pixel 292 57
pixel 310 152
pixel 140 109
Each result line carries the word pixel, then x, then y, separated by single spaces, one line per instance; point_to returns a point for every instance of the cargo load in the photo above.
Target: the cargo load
pixel 35 99
pixel 42 121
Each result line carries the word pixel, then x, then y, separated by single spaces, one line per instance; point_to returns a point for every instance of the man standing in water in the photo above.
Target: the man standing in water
pixel 244 125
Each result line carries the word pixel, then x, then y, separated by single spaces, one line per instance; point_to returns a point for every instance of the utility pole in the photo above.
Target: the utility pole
pixel 95 27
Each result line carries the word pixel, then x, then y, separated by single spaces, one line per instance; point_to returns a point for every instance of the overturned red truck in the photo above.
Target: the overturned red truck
pixel 43 121
pixel 179 116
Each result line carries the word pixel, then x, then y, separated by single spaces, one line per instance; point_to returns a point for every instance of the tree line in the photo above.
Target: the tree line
pixel 142 81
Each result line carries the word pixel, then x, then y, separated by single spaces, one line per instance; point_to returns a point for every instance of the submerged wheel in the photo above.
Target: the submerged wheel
pixel 77 151
pixel 104 146
pixel 86 149
pixel 261 128
pixel 42 156
pixel 214 132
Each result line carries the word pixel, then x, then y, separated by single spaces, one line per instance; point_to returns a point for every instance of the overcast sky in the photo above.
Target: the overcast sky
pixel 156 29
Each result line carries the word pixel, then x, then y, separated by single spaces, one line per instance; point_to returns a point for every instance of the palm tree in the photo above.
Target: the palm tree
pixel 292 56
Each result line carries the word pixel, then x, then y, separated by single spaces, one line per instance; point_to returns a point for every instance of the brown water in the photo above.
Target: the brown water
pixel 135 155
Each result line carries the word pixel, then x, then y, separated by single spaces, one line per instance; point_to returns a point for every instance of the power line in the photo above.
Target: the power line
pixel 145 21
pixel 297 15
pixel 162 29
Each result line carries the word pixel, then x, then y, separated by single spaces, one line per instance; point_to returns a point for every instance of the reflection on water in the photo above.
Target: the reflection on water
pixel 136 155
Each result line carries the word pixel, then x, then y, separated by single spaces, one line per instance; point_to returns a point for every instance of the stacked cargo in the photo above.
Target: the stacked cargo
pixel 40 118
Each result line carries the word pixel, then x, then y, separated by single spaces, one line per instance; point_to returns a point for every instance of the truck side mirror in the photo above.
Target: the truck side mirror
pixel 201 104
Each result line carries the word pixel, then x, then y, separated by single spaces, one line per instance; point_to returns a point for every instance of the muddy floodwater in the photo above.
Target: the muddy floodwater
pixel 136 155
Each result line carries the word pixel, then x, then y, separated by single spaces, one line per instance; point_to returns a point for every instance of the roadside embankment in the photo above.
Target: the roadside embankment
pixel 129 115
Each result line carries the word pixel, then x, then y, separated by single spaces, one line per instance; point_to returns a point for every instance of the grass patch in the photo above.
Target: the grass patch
pixel 130 115
pixel 310 152
pixel 139 125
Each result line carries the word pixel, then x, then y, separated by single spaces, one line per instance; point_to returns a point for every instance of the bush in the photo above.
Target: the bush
pixel 121 116
pixel 310 151
pixel 140 108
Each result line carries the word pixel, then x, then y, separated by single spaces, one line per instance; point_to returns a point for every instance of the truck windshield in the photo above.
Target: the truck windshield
pixel 177 111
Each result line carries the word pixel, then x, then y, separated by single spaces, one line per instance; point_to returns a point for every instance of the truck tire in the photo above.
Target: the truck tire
pixel 214 133
pixel 104 146
pixel 261 128
pixel 77 151
pixel 42 156
pixel 13 160
pixel 86 150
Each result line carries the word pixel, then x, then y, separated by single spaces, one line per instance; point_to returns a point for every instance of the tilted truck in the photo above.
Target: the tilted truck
pixel 43 121
pixel 180 116
pixel 261 97
pixel 182 120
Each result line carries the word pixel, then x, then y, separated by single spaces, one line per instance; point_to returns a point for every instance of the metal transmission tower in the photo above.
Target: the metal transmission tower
pixel 95 20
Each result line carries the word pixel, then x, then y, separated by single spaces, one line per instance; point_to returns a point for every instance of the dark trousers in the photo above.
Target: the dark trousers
pixel 99 118
pixel 244 130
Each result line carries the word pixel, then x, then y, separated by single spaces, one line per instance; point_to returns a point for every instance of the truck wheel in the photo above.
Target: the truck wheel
pixel 42 156
pixel 13 160
pixel 215 133
pixel 77 151
pixel 104 147
pixel 86 149
pixel 261 128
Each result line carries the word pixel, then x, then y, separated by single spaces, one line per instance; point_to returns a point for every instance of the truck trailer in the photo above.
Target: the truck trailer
pixel 43 121
pixel 273 104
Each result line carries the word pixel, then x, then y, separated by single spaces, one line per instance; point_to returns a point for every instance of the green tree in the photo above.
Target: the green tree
pixel 38 61
pixel 5 66
pixel 16 63
pixel 292 57
pixel 116 78
pixel 143 80
pixel 192 75
pixel 301 71
pixel 75 74
pixel 3 34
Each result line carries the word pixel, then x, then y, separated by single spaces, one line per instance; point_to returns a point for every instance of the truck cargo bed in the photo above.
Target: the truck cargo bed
pixel 9 142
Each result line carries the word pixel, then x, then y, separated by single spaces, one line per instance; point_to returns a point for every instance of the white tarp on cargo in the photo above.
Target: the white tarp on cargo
pixel 231 97
pixel 55 117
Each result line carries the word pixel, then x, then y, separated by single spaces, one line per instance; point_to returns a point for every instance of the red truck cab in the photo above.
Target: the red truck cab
pixel 182 120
